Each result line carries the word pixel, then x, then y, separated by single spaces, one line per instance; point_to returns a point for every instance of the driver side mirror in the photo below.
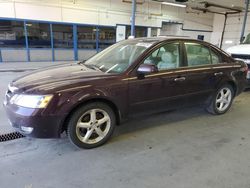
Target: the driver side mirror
pixel 147 69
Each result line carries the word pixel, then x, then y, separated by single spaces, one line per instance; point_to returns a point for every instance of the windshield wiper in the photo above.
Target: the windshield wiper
pixel 81 62
pixel 94 67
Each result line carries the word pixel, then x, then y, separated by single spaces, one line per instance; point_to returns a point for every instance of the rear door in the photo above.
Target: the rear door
pixel 200 75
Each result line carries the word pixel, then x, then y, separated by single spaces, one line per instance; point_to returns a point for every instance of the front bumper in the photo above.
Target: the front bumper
pixel 33 122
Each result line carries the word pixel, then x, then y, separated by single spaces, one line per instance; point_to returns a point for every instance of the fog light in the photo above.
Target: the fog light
pixel 27 130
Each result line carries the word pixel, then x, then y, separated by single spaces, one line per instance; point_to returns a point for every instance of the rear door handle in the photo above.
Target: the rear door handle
pixel 180 79
pixel 218 73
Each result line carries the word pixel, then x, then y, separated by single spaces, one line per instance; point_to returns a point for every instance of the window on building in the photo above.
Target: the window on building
pixel 153 32
pixel 62 36
pixel 200 37
pixel 139 31
pixel 12 34
pixel 38 35
pixel 86 37
pixel 107 36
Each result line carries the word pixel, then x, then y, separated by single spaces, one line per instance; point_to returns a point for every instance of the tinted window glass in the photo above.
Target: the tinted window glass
pixel 63 36
pixel 165 57
pixel 12 34
pixel 197 54
pixel 38 35
pixel 215 58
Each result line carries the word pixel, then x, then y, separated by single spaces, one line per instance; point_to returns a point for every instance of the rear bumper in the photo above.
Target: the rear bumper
pixel 248 77
pixel 32 122
pixel 248 83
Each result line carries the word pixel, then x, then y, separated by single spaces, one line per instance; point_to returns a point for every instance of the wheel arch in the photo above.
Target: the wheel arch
pixel 234 86
pixel 112 105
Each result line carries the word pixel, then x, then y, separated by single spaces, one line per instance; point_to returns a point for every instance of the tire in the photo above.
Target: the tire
pixel 222 100
pixel 91 125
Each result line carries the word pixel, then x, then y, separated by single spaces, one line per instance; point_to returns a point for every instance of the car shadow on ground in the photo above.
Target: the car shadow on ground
pixel 121 133
pixel 159 119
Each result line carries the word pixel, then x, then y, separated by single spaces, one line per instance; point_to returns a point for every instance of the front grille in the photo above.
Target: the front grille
pixel 241 56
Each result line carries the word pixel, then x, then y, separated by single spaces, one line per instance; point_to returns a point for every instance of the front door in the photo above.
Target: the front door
pixel 162 90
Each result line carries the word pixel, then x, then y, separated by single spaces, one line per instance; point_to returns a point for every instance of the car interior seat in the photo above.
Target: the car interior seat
pixel 167 61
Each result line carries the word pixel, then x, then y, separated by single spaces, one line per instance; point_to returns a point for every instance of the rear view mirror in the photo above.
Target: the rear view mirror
pixel 147 69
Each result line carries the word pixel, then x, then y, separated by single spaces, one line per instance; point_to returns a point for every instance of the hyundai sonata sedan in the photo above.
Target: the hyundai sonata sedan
pixel 131 78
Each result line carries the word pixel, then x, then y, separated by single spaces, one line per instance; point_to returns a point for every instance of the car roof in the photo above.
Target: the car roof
pixel 163 38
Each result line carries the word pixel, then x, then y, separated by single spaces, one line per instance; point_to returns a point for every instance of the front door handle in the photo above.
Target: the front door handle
pixel 180 79
pixel 218 73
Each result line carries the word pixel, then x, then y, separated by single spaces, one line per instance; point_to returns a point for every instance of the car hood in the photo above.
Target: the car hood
pixel 242 49
pixel 53 77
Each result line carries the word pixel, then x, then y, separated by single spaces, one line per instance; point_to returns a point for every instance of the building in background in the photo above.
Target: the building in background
pixel 77 29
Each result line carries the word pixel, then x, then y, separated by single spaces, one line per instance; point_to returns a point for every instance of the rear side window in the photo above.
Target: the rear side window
pixel 197 54
pixel 215 58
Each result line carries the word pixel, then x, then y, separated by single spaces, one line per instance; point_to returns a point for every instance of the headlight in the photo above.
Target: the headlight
pixel 31 101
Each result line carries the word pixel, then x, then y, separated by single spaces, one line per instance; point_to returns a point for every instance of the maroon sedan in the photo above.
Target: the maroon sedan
pixel 137 76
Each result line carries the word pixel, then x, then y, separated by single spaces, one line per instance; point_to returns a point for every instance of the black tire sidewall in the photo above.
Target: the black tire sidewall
pixel 71 129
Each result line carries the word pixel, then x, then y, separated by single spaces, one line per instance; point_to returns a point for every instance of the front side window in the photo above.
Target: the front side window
pixel 165 57
pixel 197 54
pixel 118 57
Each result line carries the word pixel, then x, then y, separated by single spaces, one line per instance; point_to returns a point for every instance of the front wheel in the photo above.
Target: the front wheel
pixel 222 100
pixel 91 125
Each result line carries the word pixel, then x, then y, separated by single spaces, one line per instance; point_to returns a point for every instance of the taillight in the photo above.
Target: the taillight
pixel 245 69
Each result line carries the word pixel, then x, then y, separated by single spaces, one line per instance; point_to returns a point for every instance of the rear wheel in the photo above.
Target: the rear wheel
pixel 222 100
pixel 91 125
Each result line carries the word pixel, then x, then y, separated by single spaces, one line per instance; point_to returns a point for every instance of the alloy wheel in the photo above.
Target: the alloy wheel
pixel 223 99
pixel 93 126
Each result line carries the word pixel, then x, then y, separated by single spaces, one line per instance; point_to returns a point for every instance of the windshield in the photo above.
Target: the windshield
pixel 118 57
pixel 247 40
